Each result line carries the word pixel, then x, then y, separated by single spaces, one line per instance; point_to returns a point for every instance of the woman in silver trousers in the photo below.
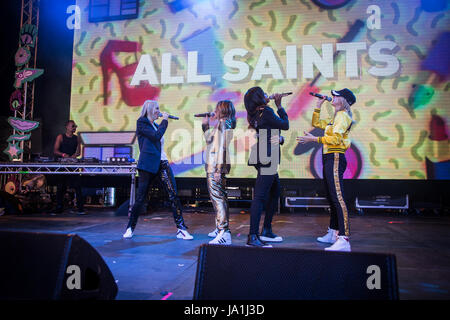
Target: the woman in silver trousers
pixel 218 138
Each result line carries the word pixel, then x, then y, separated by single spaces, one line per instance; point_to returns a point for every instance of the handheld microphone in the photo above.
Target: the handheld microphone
pixel 318 95
pixel 206 114
pixel 170 116
pixel 284 94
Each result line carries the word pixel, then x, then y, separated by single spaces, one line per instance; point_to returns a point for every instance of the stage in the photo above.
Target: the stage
pixel 154 265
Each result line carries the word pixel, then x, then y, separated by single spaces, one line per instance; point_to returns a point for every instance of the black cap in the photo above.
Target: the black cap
pixel 346 94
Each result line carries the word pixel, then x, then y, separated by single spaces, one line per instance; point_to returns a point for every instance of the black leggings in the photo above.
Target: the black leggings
pixel 165 175
pixel 267 193
pixel 334 165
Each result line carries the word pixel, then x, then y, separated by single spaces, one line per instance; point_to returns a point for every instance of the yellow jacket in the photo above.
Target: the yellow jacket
pixel 335 137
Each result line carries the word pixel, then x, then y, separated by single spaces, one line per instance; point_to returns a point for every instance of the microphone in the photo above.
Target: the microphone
pixel 321 96
pixel 206 114
pixel 170 116
pixel 284 94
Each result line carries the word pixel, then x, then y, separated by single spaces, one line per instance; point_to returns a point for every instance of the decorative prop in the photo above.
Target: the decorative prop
pixel 28 35
pixel 13 151
pixel 16 101
pixel 22 125
pixel 33 182
pixel 22 56
pixel 12 186
pixel 26 75
pixel 18 137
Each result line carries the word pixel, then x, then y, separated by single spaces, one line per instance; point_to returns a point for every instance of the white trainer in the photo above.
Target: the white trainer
pixel 330 237
pixel 128 234
pixel 183 234
pixel 214 233
pixel 342 244
pixel 224 238
pixel 270 237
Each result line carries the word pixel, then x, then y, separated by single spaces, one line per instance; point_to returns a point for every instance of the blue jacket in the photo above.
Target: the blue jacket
pixel 149 141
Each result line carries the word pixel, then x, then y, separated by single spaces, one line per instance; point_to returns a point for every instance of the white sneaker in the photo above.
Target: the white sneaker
pixel 214 233
pixel 183 234
pixel 342 244
pixel 330 237
pixel 270 237
pixel 128 234
pixel 224 238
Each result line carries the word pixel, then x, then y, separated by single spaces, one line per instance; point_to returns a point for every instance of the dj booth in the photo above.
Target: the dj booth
pixel 99 174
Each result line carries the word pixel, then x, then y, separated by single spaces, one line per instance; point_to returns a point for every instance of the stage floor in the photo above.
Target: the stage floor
pixel 155 265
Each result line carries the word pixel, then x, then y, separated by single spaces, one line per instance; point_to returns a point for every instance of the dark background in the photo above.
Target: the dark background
pixel 52 102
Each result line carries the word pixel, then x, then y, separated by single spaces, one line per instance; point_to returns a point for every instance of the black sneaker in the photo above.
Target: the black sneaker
pixel 254 241
pixel 269 236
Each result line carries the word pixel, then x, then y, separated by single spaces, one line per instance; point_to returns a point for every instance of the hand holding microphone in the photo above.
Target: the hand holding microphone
pixel 281 95
pixel 277 98
pixel 322 98
pixel 166 116
pixel 318 95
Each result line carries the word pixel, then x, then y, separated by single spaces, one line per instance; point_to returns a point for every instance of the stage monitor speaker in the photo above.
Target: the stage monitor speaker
pixel 247 273
pixel 52 266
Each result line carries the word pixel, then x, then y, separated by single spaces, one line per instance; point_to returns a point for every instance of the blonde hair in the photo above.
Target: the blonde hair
pixel 147 109
pixel 347 107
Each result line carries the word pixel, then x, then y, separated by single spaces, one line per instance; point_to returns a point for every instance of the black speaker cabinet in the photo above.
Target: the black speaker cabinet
pixel 243 273
pixel 52 266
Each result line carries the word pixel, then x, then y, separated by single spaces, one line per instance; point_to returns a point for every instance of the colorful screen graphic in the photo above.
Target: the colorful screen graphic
pixel 188 55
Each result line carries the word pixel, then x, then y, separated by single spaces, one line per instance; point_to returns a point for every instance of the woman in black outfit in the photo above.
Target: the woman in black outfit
pixel 267 186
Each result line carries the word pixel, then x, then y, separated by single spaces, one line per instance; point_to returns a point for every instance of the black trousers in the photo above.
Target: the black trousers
pixel 165 175
pixel 334 165
pixel 267 193
pixel 75 182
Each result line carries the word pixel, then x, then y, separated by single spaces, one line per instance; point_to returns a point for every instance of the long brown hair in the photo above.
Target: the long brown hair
pixel 254 101
pixel 225 110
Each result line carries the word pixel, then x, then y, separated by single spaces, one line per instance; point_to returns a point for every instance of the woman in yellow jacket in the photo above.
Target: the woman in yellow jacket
pixel 335 142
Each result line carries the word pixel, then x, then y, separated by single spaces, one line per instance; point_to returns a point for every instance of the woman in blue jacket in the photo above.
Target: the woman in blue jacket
pixel 153 163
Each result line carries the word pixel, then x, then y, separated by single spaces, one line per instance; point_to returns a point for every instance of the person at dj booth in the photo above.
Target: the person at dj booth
pixel 68 145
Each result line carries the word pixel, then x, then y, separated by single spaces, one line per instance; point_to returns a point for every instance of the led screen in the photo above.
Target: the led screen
pixel 188 55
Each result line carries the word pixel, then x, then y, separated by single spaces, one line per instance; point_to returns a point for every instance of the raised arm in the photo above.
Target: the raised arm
pixel 341 124
pixel 144 129
pixel 275 122
pixel 317 122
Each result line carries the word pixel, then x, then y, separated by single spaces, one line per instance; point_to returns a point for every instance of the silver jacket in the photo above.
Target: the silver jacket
pixel 218 139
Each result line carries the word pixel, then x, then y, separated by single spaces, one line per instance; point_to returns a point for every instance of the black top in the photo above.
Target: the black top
pixel 69 145
pixel 266 121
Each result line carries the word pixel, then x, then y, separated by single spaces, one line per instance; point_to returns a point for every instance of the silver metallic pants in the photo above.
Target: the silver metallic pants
pixel 218 195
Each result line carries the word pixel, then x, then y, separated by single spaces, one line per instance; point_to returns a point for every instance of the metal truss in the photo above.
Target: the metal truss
pixel 72 169
pixel 29 15
pixel 59 168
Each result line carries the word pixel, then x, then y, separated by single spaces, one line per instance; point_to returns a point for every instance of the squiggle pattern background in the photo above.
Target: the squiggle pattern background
pixel 394 115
